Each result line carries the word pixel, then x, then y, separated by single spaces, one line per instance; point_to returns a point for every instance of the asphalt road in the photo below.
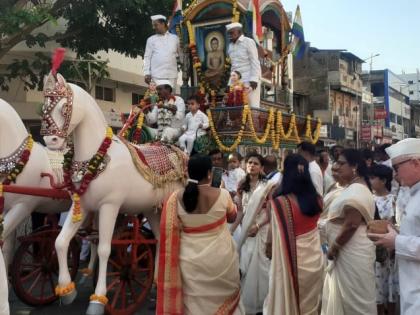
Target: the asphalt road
pixel 78 307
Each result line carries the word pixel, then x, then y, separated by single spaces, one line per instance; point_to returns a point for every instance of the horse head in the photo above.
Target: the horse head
pixel 59 116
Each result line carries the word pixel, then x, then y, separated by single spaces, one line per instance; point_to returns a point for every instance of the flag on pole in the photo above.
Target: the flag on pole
pixel 254 20
pixel 298 43
pixel 176 17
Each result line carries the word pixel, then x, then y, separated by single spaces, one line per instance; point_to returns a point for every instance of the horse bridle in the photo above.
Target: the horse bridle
pixel 48 126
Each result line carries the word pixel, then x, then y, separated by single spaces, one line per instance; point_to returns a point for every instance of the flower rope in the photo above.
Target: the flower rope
pixel 312 136
pixel 267 131
pixel 92 170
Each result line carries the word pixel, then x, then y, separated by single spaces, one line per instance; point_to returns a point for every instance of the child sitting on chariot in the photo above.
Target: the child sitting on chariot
pixel 237 95
pixel 195 124
pixel 151 96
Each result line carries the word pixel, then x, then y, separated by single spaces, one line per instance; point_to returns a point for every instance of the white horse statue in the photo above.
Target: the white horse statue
pixel 14 139
pixel 4 290
pixel 119 187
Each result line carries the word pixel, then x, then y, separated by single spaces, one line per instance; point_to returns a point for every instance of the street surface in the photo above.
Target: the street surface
pixel 78 307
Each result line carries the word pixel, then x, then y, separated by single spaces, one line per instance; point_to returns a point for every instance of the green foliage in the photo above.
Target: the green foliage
pixel 91 26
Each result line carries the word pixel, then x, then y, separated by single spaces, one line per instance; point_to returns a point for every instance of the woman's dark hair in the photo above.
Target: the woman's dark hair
pixel 238 73
pixel 383 172
pixel 245 185
pixel 355 159
pixel 367 154
pixel 198 169
pixel 297 180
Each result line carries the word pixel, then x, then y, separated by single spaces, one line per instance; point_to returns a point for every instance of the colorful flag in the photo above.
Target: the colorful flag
pixel 176 17
pixel 298 43
pixel 254 20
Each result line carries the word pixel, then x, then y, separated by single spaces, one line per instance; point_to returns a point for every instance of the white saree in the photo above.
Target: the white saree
pixel 349 287
pixel 254 264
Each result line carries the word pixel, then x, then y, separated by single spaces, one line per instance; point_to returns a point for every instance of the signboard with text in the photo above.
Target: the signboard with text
pixel 366 132
pixel 380 114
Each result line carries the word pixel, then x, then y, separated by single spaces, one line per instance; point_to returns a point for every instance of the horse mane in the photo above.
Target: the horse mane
pixel 81 96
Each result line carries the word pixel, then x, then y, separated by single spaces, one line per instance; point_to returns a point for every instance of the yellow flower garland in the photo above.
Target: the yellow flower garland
pixel 267 131
pixel 238 139
pixel 313 137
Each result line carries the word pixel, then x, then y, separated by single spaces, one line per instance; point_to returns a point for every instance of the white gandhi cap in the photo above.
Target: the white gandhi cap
pixel 158 17
pixel 231 26
pixel 404 150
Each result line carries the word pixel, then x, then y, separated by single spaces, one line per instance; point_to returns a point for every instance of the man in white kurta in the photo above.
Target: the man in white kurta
pixel 405 157
pixel 169 117
pixel 243 54
pixel 162 51
pixel 308 151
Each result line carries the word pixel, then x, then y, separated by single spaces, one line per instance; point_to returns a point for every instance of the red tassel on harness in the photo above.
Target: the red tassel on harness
pixel 57 59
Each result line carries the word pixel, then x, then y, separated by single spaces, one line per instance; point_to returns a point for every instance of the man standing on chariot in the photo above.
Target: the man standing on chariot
pixel 168 114
pixel 243 54
pixel 162 51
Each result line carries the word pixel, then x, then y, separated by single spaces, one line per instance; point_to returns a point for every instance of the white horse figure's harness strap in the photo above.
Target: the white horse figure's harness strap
pixel 48 126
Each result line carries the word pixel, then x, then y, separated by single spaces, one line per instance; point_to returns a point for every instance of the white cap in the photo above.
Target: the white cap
pixel 231 26
pixel 158 17
pixel 404 150
pixel 163 82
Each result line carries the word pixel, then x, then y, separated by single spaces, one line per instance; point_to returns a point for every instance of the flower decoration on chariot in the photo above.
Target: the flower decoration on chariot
pixel 56 90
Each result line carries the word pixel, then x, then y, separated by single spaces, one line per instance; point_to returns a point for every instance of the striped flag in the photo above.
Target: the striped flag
pixel 254 20
pixel 298 43
pixel 176 17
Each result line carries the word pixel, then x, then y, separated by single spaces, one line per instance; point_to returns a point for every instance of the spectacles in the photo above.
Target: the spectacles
pixel 397 166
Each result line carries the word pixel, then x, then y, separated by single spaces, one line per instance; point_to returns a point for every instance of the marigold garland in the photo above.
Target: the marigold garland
pixel 99 298
pixel 61 291
pixel 313 137
pixel 274 130
pixel 92 171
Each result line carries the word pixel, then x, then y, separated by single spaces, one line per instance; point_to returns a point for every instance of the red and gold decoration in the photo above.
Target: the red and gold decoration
pixel 92 171
pixel 19 165
pixel 274 130
pixel 237 95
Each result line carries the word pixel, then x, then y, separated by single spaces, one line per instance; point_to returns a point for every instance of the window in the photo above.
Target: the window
pixel 410 82
pixel 411 92
pixel 392 117
pixel 399 120
pixel 136 98
pixel 105 93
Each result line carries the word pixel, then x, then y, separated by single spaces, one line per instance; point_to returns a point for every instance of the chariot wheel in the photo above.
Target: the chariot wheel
pixel 34 273
pixel 129 275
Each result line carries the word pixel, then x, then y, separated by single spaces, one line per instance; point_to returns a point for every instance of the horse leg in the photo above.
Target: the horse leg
pixel 13 218
pixel 66 289
pixel 4 291
pixel 107 217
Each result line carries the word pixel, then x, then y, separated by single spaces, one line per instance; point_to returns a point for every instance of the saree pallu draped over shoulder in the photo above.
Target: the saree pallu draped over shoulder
pixel 297 263
pixel 198 264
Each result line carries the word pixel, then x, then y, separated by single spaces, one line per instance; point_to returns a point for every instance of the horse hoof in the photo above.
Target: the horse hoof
pixel 95 308
pixel 69 298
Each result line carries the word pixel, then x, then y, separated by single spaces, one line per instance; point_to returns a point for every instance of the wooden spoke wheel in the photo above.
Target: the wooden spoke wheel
pixel 129 276
pixel 35 267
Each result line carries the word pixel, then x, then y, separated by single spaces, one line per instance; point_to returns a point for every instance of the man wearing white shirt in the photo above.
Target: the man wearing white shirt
pixel 162 51
pixel 308 151
pixel 195 124
pixel 405 158
pixel 168 114
pixel 243 54
pixel 271 170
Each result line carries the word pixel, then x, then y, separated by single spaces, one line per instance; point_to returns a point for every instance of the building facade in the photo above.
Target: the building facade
pixel 390 104
pixel 412 81
pixel 328 84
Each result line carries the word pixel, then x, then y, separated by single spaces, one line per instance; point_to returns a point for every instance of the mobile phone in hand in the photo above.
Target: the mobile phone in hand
pixel 216 180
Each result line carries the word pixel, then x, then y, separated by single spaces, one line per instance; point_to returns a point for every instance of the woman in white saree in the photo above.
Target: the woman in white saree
pixel 297 264
pixel 254 264
pixel 349 287
pixel 198 270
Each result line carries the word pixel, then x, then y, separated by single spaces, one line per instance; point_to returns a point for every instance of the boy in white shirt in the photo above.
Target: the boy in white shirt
pixel 195 124
pixel 235 173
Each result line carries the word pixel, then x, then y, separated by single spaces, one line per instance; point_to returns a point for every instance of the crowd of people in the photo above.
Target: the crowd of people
pixel 322 231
